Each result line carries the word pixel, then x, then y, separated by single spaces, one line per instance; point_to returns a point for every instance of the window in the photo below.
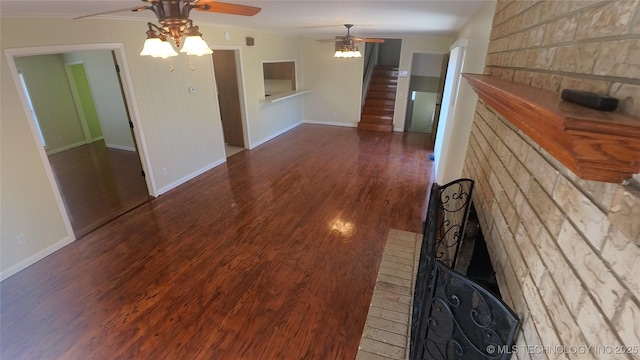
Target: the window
pixel 23 84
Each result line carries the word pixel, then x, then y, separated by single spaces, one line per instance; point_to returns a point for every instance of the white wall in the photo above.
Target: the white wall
pixel 477 31
pixel 265 120
pixel 336 85
pixel 179 131
pixel 389 52
pixel 427 65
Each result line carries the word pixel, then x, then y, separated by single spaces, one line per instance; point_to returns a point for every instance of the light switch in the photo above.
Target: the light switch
pixel 403 73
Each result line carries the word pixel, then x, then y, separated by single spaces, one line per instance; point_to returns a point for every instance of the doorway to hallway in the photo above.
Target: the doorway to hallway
pixel 227 76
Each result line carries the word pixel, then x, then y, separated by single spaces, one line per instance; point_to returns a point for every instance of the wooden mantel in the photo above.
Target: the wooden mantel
pixel 595 145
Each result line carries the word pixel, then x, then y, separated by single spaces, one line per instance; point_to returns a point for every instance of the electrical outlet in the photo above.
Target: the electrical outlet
pixel 165 171
pixel 21 239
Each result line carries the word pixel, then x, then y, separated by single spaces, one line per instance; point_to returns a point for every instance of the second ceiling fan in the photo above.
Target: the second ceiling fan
pixel 350 38
pixel 346 45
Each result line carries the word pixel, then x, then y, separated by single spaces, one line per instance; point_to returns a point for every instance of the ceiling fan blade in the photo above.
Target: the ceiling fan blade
pixel 373 40
pixel 137 8
pixel 226 8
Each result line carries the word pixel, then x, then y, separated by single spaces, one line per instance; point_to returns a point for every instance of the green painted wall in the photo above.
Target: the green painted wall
pixel 86 100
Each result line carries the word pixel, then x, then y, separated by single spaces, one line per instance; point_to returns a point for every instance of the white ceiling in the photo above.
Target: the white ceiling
pixel 303 17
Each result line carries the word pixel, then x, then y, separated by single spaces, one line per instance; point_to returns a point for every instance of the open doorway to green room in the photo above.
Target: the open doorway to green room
pixel 78 107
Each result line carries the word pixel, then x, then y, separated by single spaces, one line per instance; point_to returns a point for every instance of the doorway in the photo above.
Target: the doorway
pixel 80 111
pixel 229 87
pixel 425 90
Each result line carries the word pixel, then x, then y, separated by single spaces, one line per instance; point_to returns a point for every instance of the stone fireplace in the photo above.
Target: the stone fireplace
pixel 566 251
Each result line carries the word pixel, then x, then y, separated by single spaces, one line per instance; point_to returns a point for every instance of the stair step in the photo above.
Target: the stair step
pixel 386 95
pixel 385 73
pixel 383 80
pixel 385 103
pixel 392 67
pixel 382 87
pixel 376 119
pixel 375 127
pixel 375 110
pixel 377 114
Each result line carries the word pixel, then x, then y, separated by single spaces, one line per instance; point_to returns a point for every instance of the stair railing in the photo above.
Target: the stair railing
pixel 370 62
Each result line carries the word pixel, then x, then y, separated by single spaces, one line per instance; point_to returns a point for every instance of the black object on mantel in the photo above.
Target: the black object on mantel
pixel 590 99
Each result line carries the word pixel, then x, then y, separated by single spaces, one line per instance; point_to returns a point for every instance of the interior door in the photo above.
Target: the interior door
pixel 226 74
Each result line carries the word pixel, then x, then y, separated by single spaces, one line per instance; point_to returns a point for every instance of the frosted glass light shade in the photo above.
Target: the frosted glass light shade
pixel 347 54
pixel 155 47
pixel 195 45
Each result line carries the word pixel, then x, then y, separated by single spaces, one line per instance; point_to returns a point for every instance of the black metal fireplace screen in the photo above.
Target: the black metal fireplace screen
pixel 454 317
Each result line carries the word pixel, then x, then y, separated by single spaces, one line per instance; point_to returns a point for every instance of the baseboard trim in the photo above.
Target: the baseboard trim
pixel 121 147
pixel 271 137
pixel 64 148
pixel 183 180
pixel 316 122
pixel 35 258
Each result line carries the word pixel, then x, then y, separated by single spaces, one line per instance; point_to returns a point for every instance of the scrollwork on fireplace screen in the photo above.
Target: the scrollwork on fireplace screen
pixel 455 201
pixel 447 213
pixel 463 320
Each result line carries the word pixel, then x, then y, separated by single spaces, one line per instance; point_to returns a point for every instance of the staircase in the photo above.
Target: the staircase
pixel 377 113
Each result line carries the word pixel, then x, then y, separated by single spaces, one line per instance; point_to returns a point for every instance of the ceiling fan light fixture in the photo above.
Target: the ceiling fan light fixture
pixel 176 25
pixel 347 50
pixel 174 22
pixel 345 45
pixel 157 45
pixel 194 44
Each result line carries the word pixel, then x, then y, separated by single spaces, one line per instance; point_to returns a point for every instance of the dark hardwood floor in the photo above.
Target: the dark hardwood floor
pixel 98 184
pixel 272 255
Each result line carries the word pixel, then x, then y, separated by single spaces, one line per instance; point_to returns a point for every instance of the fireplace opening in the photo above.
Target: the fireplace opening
pixel 473 256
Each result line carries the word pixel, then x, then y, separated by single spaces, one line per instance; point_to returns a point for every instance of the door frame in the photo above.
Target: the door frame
pixel 241 92
pixel 131 104
pixel 448 108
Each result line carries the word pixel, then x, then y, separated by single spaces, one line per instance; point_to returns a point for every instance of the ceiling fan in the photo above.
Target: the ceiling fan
pixel 350 38
pixel 173 17
pixel 346 45
pixel 160 7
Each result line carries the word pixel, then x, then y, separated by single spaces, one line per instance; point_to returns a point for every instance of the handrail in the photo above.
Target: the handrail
pixel 367 66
